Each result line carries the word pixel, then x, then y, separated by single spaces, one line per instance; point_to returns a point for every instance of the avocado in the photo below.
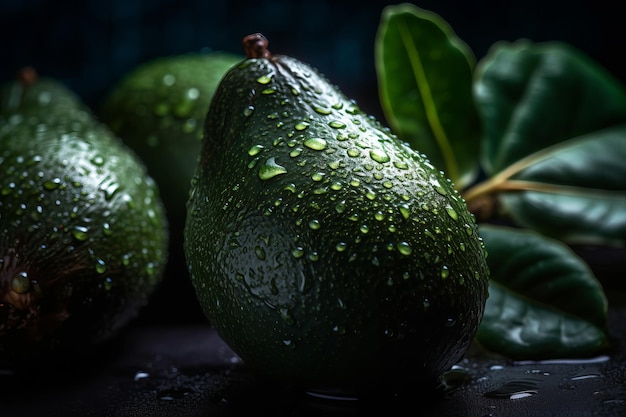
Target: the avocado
pixel 158 110
pixel 83 232
pixel 325 251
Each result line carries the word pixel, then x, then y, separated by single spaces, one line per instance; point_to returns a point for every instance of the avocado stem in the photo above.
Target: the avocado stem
pixel 255 46
pixel 27 76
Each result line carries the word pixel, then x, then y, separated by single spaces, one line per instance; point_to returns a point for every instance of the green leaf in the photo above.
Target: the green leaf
pixel 544 301
pixel 425 86
pixel 580 192
pixel 555 141
pixel 534 95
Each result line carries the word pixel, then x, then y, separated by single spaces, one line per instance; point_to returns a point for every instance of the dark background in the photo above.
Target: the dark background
pixel 90 44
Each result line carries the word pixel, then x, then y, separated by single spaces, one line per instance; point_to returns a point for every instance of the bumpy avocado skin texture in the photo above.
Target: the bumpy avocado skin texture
pixel 158 110
pixel 83 233
pixel 323 249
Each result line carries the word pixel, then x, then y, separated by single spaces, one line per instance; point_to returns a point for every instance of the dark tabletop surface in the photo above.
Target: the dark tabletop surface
pixel 187 370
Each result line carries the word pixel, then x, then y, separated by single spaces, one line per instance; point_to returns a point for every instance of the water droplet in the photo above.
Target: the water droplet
pixel 108 283
pixel 405 210
pixel 314 224
pixel 313 256
pixel 317 144
pixel 168 80
pixel 340 207
pixel 297 252
pixel 248 111
pixel 400 165
pixel 301 125
pixel 259 252
pixel 264 79
pixel 271 169
pixel 438 187
pixel 80 232
pixel 140 375
pixel 337 124
pixel 404 248
pixel 353 152
pixel 321 110
pixel 52 184
pixel 445 272
pixel 364 229
pixel 341 246
pixel 20 283
pixel 469 230
pixel 336 186
pixel 101 266
pixel 295 152
pixel 379 156
pixel 255 150
pixel 318 176
pixel 452 213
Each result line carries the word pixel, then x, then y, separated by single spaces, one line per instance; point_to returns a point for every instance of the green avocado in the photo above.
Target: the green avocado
pixel 83 232
pixel 325 251
pixel 158 110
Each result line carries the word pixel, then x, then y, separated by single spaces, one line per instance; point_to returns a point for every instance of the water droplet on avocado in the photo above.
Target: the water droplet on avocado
pixel 445 272
pixel 295 152
pixel 52 184
pixel 317 144
pixel 341 246
pixel 80 232
pixel 321 110
pixel 353 152
pixel 20 283
pixel 301 125
pixel 168 80
pixel 259 252
pixel 101 266
pixel 271 169
pixel 379 156
pixel 404 248
pixel 438 187
pixel 255 150
pixel 248 111
pixel 318 176
pixel 405 211
pixel 452 213
pixel 335 124
pixel 297 252
pixel 315 224
pixel 400 165
pixel 264 79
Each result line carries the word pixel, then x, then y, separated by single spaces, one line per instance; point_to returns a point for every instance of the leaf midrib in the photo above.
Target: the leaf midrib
pixel 429 103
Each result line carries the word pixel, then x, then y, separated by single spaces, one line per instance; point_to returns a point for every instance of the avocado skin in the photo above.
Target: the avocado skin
pixel 82 226
pixel 303 273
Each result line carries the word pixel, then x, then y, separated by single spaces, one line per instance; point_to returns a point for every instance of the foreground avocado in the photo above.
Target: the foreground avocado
pixel 83 233
pixel 324 250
